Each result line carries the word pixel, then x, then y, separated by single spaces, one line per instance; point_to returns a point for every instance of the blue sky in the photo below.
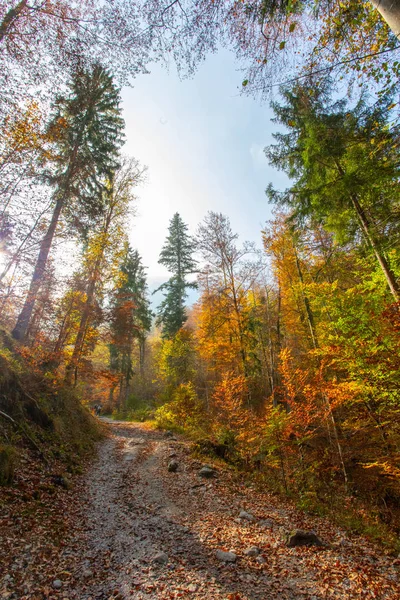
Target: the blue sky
pixel 203 144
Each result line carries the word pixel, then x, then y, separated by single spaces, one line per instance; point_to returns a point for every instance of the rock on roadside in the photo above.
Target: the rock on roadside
pixel 246 516
pixel 299 537
pixel 161 558
pixel 173 466
pixel 253 551
pixel 228 557
pixel 207 472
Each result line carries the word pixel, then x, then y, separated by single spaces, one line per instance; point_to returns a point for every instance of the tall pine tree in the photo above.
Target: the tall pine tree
pixel 176 255
pixel 87 126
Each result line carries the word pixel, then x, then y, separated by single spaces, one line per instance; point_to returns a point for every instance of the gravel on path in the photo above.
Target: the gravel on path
pixel 139 531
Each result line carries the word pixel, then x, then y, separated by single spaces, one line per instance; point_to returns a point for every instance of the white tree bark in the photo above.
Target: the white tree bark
pixel 390 11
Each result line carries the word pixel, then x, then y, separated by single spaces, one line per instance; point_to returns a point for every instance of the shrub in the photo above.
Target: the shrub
pixel 184 412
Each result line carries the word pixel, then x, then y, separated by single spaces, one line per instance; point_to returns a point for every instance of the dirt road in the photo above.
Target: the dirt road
pixel 137 531
pixel 154 534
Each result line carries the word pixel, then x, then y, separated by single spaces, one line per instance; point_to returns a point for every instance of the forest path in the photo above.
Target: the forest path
pixel 153 534
pixel 130 529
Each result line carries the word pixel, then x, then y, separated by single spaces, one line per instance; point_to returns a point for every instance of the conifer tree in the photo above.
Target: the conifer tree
pixel 88 129
pixel 131 317
pixel 345 166
pixel 176 255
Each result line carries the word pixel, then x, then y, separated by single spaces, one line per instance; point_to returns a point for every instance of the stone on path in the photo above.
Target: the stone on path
pixel 261 560
pixel 207 472
pixel 87 573
pixel 267 523
pixel 303 538
pixel 228 557
pixel 57 584
pixel 173 466
pixel 161 558
pixel 253 551
pixel 246 516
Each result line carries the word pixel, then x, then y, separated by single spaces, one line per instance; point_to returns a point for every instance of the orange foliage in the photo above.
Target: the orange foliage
pixel 215 335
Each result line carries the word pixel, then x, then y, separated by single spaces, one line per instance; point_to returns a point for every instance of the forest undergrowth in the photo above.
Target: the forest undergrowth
pixel 41 422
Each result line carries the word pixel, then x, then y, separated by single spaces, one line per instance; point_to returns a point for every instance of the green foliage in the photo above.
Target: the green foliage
pixel 171 314
pixel 138 415
pixel 135 409
pixel 176 255
pixel 87 127
pixel 345 166
pixel 333 151
pixel 227 446
pixel 176 361
pixel 185 412
pixel 130 313
pixel 164 417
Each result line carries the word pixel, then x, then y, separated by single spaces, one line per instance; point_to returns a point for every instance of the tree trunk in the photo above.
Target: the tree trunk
pixel 62 333
pixel 10 17
pixel 21 327
pixel 80 338
pixel 370 237
pixel 239 321
pixel 272 365
pixel 16 255
pixel 142 350
pixel 390 12
pixel 369 234
pixel 306 302
pixel 311 324
pixel 276 395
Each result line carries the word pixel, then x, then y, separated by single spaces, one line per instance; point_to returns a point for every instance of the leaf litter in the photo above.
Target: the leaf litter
pixel 129 528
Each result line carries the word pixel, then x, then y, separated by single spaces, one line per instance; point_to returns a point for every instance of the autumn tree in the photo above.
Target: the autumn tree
pixel 278 41
pixel 67 315
pixel 131 318
pixel 333 312
pixel 229 275
pixel 275 41
pixel 89 133
pixel 105 249
pixel 43 41
pixel 25 153
pixel 177 256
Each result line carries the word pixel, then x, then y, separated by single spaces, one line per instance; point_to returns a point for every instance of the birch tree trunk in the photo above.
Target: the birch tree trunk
pixel 390 12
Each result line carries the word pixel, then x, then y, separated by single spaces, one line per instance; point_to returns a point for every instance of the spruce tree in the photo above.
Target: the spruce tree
pixel 87 127
pixel 176 255
pixel 131 314
pixel 345 165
